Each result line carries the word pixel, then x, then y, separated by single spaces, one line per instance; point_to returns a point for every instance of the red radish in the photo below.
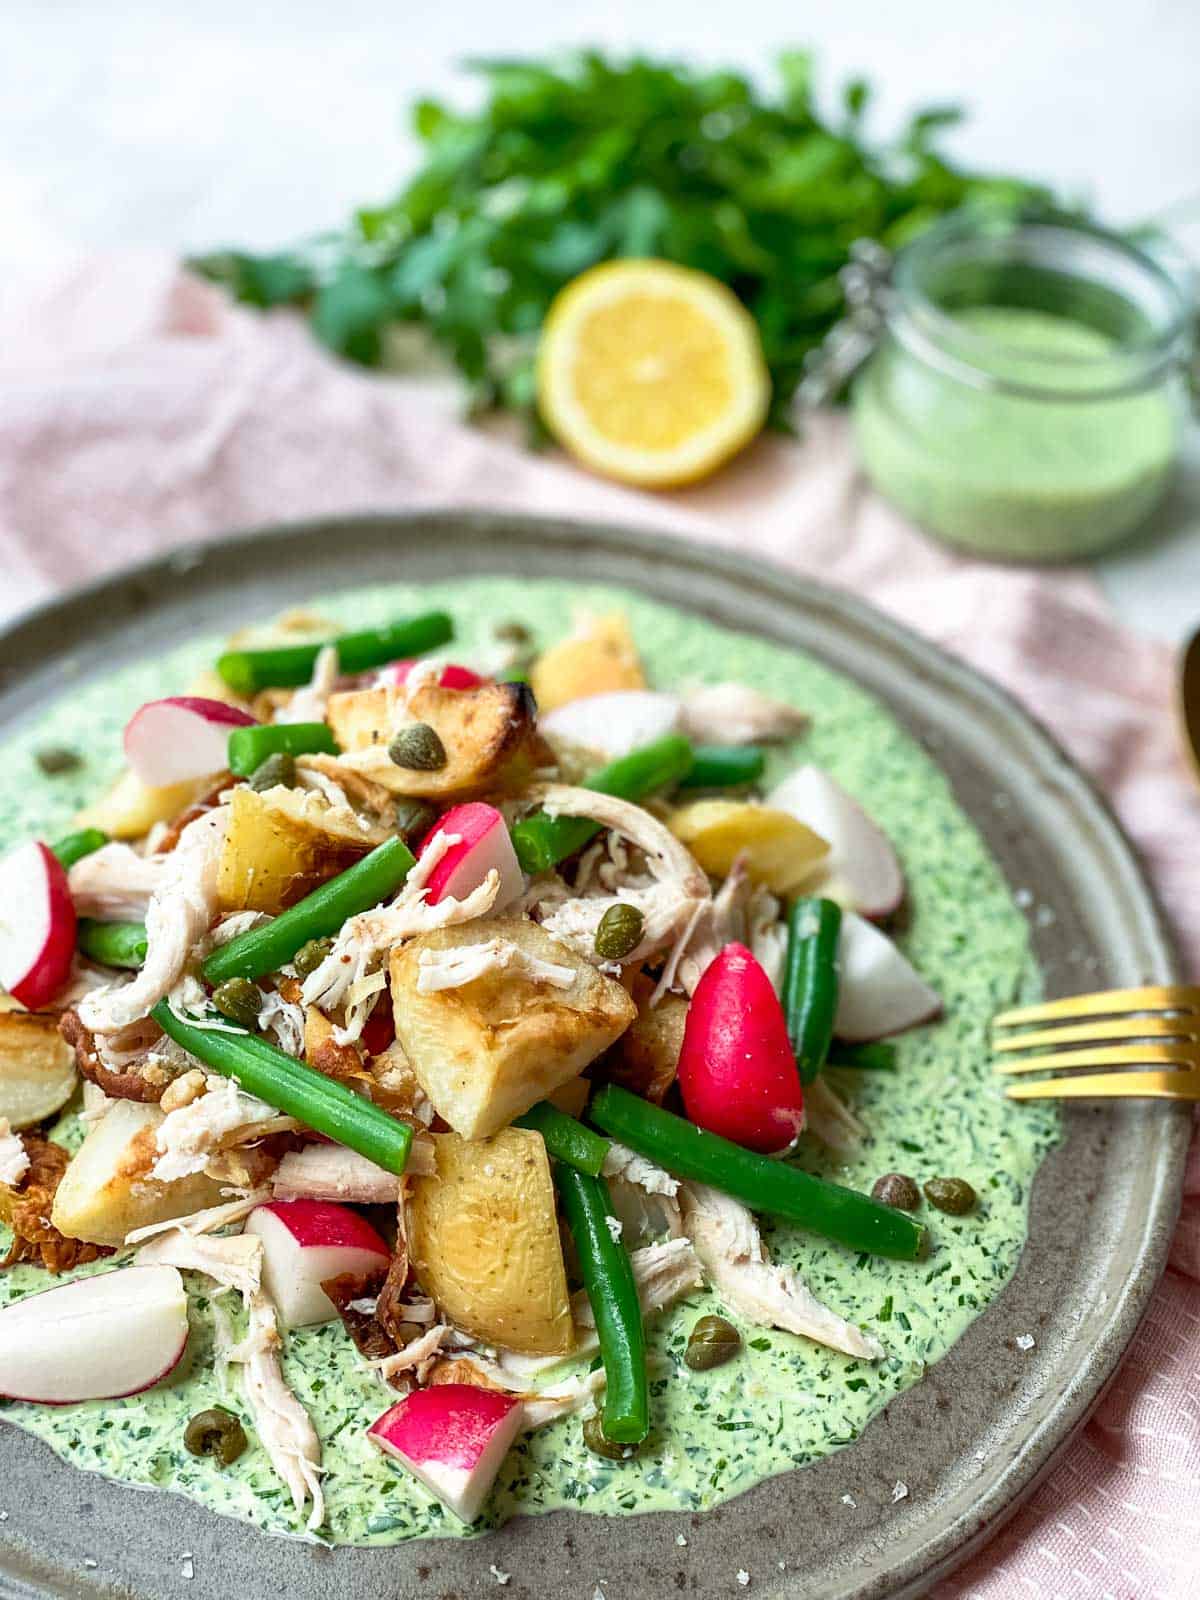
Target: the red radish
pixel 453 1438
pixel 616 723
pixel 737 1072
pixel 878 991
pixel 184 737
pixel 483 846
pixel 380 1027
pixel 307 1242
pixel 862 872
pixel 95 1339
pixel 37 924
pixel 452 676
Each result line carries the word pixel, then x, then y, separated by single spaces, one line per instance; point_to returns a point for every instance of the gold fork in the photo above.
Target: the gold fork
pixel 1164 1020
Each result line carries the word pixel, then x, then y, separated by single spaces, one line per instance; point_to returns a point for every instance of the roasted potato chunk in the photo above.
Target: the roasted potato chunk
pixel 130 809
pixel 37 1067
pixel 646 1056
pixel 780 852
pixel 485 1051
pixel 485 733
pixel 598 657
pixel 484 1242
pixel 280 845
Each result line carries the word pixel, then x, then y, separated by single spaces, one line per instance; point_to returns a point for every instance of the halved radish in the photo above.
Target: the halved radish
pixel 307 1242
pixel 170 741
pixel 37 924
pixel 452 676
pixel 453 1438
pixel 95 1339
pixel 863 873
pixel 879 992
pixel 737 1072
pixel 483 846
pixel 614 724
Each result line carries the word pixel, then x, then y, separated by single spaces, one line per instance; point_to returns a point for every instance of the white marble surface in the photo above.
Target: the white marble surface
pixel 190 123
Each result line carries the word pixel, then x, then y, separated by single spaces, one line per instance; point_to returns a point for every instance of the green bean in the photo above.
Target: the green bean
pixel 293 1088
pixel 543 841
pixel 319 914
pixel 288 666
pixel 768 1185
pixel 566 1139
pixel 810 981
pixel 74 846
pixel 879 1057
pixel 612 1293
pixel 250 747
pixel 112 944
pixel 724 766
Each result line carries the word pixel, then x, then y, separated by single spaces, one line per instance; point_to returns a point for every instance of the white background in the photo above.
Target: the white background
pixel 188 125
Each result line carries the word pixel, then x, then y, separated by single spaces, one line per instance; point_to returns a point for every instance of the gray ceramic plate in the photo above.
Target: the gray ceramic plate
pixel 971 1440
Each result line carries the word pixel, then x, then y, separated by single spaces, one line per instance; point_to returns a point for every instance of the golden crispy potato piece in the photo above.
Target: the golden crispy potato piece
pixel 486 1051
pixel 599 657
pixel 646 1056
pixel 106 1191
pixel 780 851
pixel 37 1067
pixel 485 733
pixel 484 1242
pixel 280 845
pixel 130 808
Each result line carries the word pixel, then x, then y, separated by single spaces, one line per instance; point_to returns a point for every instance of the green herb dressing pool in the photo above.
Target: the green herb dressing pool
pixel 784 1401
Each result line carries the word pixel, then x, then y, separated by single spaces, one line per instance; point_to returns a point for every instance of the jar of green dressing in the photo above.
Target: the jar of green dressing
pixel 1027 395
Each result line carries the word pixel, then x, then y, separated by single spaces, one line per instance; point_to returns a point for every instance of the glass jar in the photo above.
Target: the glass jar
pixel 1027 396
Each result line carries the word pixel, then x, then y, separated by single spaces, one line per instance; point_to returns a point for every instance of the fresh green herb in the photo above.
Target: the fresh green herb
pixel 569 163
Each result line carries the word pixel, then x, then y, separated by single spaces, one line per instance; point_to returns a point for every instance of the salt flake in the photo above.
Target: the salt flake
pixel 849 1500
pixel 187 1565
pixel 1025 1341
pixel 680 1539
pixel 500 1577
pixel 899 1492
pixel 743 1577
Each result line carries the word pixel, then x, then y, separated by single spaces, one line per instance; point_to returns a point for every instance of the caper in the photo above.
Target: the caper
pixel 278 768
pixel 600 1444
pixel 418 747
pixel 712 1343
pixel 414 818
pixel 620 931
pixel 894 1189
pixel 215 1432
pixel 56 758
pixel 954 1195
pixel 310 956
pixel 512 633
pixel 239 1000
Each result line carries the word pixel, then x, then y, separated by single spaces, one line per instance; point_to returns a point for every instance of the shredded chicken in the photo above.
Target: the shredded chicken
pixel 413 1355
pixel 210 1220
pixel 115 883
pixel 284 1021
pixel 643 1196
pixel 234 1260
pixel 285 1429
pixel 308 704
pixel 178 917
pixel 767 934
pixel 621 1162
pixel 14 1163
pixel 223 1116
pixel 450 969
pixel 733 713
pixel 830 1119
pixel 331 1172
pixel 736 1264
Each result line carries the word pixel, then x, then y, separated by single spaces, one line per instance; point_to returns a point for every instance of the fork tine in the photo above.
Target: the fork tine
pixel 1117 1055
pixel 1112 1086
pixel 1096 1032
pixel 1110 1002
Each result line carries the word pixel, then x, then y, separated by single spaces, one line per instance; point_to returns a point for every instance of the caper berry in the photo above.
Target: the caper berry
pixel 216 1432
pixel 712 1343
pixel 512 633
pixel 620 931
pixel 56 758
pixel 310 956
pixel 954 1195
pixel 600 1444
pixel 414 818
pixel 278 768
pixel 894 1189
pixel 239 1000
pixel 419 748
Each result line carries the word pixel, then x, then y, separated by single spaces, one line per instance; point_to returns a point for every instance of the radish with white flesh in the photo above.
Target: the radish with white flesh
pixel 453 1438
pixel 862 872
pixel 307 1242
pixel 737 1072
pixel 186 736
pixel 452 676
pixel 37 924
pixel 96 1339
pixel 614 724
pixel 483 846
pixel 878 991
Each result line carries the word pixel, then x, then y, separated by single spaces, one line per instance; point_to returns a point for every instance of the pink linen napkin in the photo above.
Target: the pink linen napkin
pixel 138 410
